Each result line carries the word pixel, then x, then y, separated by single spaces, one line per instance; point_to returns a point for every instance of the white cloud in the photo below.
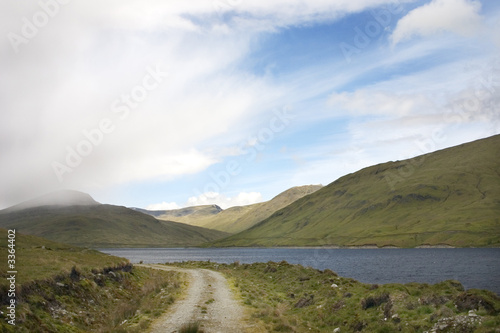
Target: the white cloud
pixel 212 198
pixel 426 108
pixel 163 206
pixel 65 78
pixel 367 102
pixel 83 61
pixel 457 16
pixel 405 116
pixel 223 201
pixel 151 165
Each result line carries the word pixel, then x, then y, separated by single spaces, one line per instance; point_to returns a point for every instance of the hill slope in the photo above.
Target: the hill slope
pixel 39 258
pixel 237 219
pixel 104 226
pixel 259 212
pixel 449 197
pixel 184 214
pixel 63 288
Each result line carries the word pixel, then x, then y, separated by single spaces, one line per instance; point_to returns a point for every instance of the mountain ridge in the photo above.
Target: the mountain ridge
pixel 451 196
pixel 103 225
pixel 238 218
pixel 168 215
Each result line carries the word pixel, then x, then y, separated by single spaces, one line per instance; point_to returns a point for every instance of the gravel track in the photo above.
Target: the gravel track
pixel 207 300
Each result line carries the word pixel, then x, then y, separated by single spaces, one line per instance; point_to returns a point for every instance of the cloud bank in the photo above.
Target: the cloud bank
pixel 98 95
pixel 456 16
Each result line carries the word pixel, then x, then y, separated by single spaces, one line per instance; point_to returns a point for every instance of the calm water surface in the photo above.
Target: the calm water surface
pixel 474 268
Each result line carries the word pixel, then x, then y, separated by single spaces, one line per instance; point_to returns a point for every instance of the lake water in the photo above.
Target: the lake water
pixel 474 268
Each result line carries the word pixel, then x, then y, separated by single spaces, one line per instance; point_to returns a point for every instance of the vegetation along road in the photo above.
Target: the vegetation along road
pixel 208 302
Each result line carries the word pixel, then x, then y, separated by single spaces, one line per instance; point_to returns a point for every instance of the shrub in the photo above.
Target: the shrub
pixel 468 301
pixel 374 301
pixel 305 301
pixel 191 327
pixel 75 274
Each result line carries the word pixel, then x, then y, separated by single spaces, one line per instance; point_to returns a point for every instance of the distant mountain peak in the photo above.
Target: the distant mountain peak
pixel 173 213
pixel 217 208
pixel 57 198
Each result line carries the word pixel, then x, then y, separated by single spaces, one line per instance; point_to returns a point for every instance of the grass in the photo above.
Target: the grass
pixel 38 258
pixel 448 197
pixel 62 288
pixel 293 298
pixel 191 327
pixel 113 299
pixel 104 226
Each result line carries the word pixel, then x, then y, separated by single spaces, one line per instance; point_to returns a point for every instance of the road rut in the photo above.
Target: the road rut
pixel 208 300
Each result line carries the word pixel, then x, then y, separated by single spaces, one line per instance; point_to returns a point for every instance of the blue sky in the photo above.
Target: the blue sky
pixel 168 104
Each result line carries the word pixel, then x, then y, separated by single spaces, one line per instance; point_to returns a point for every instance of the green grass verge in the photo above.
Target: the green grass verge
pixel 38 258
pixel 62 288
pixel 293 298
pixel 120 299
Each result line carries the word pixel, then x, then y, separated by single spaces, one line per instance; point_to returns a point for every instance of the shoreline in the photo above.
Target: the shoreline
pixel 325 247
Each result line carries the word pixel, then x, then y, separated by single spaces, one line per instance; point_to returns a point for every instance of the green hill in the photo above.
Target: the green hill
pixel 448 197
pixel 231 221
pixel 104 226
pixel 184 215
pixel 39 258
pixel 236 219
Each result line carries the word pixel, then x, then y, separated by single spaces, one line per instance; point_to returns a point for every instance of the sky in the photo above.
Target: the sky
pixel 166 104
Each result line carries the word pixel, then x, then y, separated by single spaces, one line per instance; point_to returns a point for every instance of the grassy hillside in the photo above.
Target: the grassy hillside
pixel 293 298
pixel 39 258
pixel 188 214
pixel 266 209
pixel 234 219
pixel 104 226
pixel 449 197
pixel 63 288
pixel 237 219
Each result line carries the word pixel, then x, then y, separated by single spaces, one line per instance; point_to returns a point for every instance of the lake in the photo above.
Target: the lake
pixel 474 268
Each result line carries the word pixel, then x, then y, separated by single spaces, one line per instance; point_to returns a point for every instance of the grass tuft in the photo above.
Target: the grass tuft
pixel 191 327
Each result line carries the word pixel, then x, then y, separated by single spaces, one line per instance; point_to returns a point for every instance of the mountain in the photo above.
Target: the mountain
pixel 451 196
pixel 235 219
pixel 102 226
pixel 183 213
pixel 58 198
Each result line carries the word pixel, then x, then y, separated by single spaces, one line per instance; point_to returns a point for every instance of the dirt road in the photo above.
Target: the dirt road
pixel 208 300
